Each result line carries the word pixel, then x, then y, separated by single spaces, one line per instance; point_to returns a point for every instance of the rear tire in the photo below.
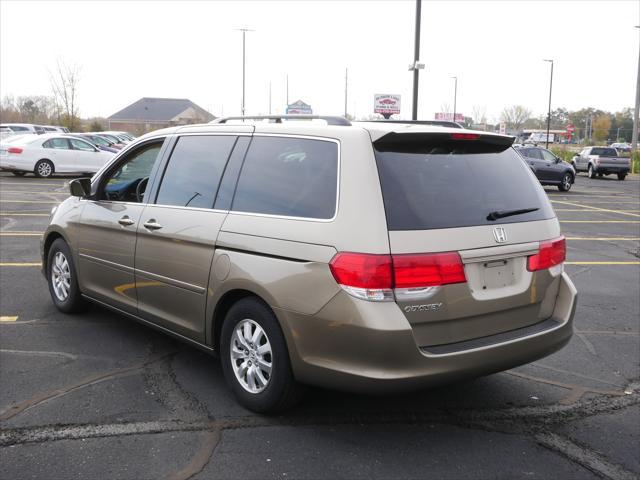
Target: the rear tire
pixel 591 172
pixel 255 359
pixel 567 181
pixel 43 169
pixel 622 176
pixel 62 278
pixel 19 174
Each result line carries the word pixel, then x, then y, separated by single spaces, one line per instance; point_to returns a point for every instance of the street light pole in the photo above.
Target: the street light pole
pixel 549 111
pixel 244 31
pixel 636 112
pixel 455 97
pixel 416 66
pixel 346 77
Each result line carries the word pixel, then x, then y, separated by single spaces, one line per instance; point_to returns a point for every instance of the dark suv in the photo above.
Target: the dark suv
pixel 548 168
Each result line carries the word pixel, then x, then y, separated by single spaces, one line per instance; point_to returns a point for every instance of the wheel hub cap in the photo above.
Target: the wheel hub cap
pixel 251 356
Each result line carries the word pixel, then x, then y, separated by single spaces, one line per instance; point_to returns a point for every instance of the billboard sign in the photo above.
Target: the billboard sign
pixel 386 104
pixel 299 107
pixel 448 117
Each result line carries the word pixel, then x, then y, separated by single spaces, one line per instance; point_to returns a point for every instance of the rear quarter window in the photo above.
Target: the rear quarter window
pixel 424 190
pixel 289 176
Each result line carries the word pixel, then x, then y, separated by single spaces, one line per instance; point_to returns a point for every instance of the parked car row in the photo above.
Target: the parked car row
pixel 26 148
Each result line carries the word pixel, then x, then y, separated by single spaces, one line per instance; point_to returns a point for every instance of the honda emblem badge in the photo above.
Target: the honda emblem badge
pixel 500 235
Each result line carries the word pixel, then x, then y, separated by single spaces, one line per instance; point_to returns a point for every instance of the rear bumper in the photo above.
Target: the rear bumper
pixel 612 169
pixel 380 355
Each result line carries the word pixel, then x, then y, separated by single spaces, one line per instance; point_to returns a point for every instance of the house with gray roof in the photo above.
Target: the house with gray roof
pixel 153 113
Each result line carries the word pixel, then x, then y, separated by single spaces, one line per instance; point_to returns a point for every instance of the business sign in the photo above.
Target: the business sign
pixel 503 129
pixel 299 107
pixel 386 104
pixel 448 117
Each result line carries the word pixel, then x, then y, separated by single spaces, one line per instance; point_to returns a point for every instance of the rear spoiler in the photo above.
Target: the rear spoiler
pixel 443 142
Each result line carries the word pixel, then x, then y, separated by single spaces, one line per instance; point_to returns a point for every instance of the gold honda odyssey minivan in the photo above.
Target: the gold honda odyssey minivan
pixel 369 257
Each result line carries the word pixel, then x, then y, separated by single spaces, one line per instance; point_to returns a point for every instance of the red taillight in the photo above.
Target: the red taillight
pixel 361 270
pixel 552 252
pixel 427 270
pixel 465 136
pixel 14 150
pixel 376 275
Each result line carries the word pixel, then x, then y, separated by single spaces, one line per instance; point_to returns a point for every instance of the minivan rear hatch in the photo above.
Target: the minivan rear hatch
pixel 466 217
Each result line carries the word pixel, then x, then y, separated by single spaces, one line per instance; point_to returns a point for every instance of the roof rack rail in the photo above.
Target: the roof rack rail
pixel 440 123
pixel 330 119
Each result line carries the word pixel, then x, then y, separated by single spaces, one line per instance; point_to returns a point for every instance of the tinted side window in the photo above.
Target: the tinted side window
pixel 294 177
pixel 535 153
pixel 128 182
pixel 81 145
pixel 548 156
pixel 56 143
pixel 194 171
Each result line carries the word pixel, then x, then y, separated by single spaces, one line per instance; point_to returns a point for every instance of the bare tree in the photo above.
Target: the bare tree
pixel 515 116
pixel 479 114
pixel 64 83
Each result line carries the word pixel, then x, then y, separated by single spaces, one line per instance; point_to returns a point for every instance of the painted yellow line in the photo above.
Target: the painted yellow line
pixel 598 209
pixel 589 211
pixel 13 214
pixel 20 264
pixel 5 318
pixel 579 204
pixel 21 234
pixel 31 192
pixel 602 263
pixel 602 239
pixel 52 202
pixel 590 195
pixel 599 221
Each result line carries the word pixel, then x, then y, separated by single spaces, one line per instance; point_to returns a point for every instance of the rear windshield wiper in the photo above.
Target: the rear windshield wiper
pixel 509 213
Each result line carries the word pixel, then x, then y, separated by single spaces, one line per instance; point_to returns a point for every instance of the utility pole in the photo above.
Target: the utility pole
pixel 455 97
pixel 636 112
pixel 416 66
pixel 549 111
pixel 244 31
pixel 269 97
pixel 346 80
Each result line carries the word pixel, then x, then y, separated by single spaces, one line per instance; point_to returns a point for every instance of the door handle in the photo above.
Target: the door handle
pixel 126 221
pixel 152 225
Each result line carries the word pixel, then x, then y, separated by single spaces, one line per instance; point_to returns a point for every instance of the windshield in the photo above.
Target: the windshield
pixel 423 191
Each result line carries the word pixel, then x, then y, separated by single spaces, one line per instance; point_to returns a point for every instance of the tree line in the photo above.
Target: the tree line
pixel 589 123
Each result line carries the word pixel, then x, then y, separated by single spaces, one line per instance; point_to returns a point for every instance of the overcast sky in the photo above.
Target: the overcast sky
pixel 129 50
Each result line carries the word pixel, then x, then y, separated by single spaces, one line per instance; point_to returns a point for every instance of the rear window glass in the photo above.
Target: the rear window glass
pixel 293 177
pixel 605 152
pixel 424 190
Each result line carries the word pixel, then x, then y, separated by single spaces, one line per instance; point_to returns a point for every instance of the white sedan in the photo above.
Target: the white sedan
pixel 52 153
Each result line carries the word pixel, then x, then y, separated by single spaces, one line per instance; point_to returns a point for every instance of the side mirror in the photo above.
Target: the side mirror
pixel 80 187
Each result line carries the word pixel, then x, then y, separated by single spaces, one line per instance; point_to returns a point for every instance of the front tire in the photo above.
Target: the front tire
pixel 622 176
pixel 63 279
pixel 43 169
pixel 255 359
pixel 591 173
pixel 567 181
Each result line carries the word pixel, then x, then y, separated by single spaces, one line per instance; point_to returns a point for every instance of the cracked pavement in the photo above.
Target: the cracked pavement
pixel 98 396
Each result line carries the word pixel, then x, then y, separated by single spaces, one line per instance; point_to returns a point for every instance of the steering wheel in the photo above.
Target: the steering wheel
pixel 140 189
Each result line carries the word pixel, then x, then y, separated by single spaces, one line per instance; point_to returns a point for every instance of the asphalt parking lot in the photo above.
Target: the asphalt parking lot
pixel 98 396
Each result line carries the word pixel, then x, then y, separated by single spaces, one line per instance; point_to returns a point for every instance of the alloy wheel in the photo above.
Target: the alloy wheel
pixel 251 356
pixel 44 169
pixel 60 276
